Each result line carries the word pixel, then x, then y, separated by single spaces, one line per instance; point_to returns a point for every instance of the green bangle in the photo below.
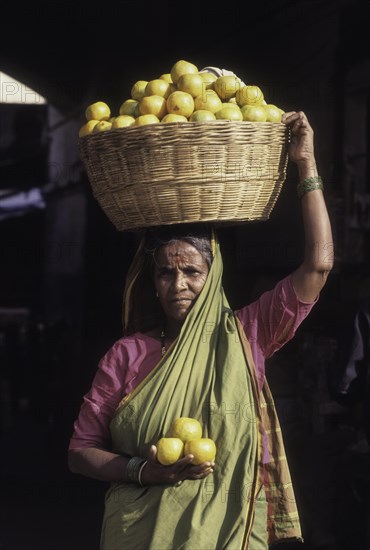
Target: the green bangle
pixel 309 184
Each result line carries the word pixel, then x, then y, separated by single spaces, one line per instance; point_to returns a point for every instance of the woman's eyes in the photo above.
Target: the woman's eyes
pixel 164 272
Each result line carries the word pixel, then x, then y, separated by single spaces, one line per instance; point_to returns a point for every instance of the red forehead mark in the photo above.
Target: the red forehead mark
pixel 177 256
pixel 183 253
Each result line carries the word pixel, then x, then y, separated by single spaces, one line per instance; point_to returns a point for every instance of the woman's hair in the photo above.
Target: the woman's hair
pixel 198 235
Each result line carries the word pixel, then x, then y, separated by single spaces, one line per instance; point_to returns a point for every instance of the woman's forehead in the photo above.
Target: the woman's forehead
pixel 179 251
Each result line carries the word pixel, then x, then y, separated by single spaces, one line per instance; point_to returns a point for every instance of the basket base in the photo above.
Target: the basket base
pixel 216 223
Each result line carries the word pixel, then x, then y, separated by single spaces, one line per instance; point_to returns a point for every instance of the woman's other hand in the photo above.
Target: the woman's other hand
pixel 155 473
pixel 301 147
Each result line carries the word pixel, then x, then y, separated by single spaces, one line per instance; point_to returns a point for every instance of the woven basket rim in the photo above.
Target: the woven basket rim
pixel 161 127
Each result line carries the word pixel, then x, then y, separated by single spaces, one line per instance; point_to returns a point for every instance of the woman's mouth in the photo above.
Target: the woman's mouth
pixel 181 300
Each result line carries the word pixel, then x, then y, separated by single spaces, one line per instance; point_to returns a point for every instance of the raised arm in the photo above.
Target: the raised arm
pixel 311 275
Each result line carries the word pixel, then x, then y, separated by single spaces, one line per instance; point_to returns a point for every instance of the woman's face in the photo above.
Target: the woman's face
pixel 179 275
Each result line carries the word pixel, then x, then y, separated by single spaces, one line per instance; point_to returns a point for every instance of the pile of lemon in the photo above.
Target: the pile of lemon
pixel 185 438
pixel 185 94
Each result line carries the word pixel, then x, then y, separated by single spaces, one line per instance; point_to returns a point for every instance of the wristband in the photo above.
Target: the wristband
pixel 134 468
pixel 309 184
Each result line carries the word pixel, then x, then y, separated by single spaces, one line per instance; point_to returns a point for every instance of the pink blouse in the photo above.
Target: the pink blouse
pixel 269 323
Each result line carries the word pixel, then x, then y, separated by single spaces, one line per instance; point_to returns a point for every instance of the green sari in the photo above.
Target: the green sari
pixel 204 375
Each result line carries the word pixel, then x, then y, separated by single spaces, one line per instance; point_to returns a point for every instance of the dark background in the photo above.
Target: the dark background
pixel 63 266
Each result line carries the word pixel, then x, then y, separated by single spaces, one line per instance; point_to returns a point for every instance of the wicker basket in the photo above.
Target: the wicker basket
pixel 162 174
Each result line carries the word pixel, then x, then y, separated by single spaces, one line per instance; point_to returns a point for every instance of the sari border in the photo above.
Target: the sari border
pixel 258 479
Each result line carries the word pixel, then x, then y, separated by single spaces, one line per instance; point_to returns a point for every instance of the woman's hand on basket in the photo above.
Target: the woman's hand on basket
pixel 155 473
pixel 301 147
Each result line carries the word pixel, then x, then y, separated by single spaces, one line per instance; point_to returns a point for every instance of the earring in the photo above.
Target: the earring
pixel 156 294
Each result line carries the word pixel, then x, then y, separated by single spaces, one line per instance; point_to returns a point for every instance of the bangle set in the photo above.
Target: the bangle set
pixel 309 184
pixel 135 468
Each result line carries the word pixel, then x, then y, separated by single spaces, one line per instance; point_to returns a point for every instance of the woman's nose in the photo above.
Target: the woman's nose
pixel 180 281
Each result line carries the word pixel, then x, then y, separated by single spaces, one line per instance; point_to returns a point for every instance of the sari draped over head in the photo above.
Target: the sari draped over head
pixel 206 374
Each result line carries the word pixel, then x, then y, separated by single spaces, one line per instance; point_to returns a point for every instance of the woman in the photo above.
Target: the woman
pixel 201 360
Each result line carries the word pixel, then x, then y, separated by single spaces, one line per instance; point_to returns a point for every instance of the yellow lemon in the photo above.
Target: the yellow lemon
pixel 167 77
pixel 273 113
pixel 158 86
pixel 169 450
pixel 180 103
pixel 102 126
pixel 208 79
pixel 153 105
pixel 193 84
pixel 87 128
pixel 249 95
pixel 230 106
pixel 138 89
pixel 182 67
pixel 203 449
pixel 208 101
pixel 186 428
pixel 98 111
pixel 122 121
pixel 254 113
pixel 202 116
pixel 146 119
pixel 226 86
pixel 170 117
pixel 229 113
pixel 129 107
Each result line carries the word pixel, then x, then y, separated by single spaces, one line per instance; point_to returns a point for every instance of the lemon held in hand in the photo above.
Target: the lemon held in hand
pixel 186 428
pixel 203 449
pixel 169 450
